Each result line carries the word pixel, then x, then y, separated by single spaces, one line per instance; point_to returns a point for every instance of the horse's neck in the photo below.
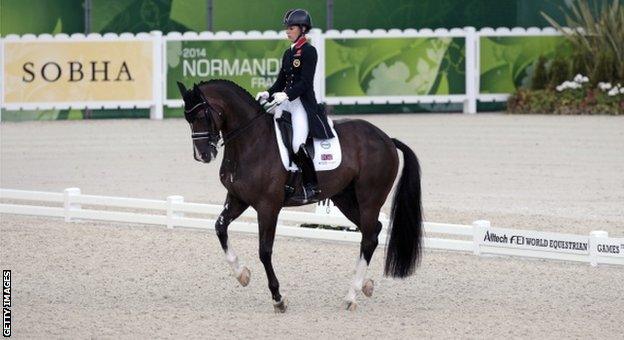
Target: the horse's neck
pixel 243 145
pixel 237 117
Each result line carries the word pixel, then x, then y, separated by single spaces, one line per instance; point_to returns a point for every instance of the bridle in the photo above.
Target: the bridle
pixel 212 136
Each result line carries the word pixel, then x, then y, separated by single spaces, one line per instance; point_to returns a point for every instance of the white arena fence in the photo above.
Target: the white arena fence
pixel 22 85
pixel 480 238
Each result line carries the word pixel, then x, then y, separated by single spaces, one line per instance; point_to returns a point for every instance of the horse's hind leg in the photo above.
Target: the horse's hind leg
pixel 362 210
pixel 348 205
pixel 370 229
pixel 232 208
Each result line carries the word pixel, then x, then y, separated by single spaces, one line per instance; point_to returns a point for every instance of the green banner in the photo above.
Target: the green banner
pixel 136 16
pixel 507 62
pixel 394 66
pixel 252 64
pixel 41 16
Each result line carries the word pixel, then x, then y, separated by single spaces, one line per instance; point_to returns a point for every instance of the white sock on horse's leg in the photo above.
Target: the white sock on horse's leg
pixel 358 280
pixel 232 260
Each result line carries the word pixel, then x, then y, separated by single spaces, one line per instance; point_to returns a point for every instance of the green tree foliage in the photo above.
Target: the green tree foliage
pixel 597 33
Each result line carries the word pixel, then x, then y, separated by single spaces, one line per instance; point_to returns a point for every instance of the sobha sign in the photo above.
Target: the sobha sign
pixel 78 71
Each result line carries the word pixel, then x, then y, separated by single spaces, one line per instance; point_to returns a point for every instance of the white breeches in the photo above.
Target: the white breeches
pixel 299 121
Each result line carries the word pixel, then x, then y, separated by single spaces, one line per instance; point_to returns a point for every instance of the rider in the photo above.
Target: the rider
pixel 293 91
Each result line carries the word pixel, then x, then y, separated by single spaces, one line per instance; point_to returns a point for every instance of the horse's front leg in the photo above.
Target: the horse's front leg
pixel 232 208
pixel 267 220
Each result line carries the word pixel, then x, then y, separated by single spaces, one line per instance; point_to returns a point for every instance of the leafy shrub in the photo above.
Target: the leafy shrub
pixel 539 81
pixel 559 72
pixel 570 98
pixel 597 35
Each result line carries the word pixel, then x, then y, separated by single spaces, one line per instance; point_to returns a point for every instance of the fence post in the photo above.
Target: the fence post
pixel 478 228
pixel 318 41
pixel 156 110
pixel 67 202
pixel 470 104
pixel 171 213
pixel 594 238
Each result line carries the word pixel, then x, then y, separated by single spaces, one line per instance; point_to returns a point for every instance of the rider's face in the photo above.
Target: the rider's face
pixel 292 32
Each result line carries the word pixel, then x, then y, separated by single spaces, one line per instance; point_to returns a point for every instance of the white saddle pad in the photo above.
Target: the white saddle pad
pixel 327 153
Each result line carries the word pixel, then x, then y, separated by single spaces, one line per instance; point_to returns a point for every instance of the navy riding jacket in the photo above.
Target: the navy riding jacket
pixel 296 78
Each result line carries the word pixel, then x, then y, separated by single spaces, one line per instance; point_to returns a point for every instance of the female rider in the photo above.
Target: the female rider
pixel 293 91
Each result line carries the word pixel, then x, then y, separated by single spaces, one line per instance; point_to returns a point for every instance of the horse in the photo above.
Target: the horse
pixel 253 175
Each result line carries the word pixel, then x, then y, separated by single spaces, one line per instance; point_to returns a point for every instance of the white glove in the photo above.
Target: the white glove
pixel 263 95
pixel 279 97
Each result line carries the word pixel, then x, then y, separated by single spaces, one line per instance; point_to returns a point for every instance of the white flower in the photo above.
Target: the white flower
pixel 605 86
pixel 622 90
pixel 568 85
pixel 573 85
pixel 580 79
pixel 613 92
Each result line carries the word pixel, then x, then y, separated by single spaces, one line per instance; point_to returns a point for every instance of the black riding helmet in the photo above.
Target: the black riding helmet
pixel 299 17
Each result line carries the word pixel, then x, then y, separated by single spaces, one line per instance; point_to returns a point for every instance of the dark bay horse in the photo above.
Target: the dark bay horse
pixel 253 175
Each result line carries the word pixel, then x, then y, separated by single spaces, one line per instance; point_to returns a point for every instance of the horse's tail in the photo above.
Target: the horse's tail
pixel 404 233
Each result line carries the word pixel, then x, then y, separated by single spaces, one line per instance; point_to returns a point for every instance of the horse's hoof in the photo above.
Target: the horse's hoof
pixel 244 277
pixel 351 306
pixel 368 288
pixel 281 306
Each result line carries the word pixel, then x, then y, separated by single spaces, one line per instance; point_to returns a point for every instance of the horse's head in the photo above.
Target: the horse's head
pixel 204 121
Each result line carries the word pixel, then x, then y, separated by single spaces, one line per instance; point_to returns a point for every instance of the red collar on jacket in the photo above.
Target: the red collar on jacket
pixel 302 40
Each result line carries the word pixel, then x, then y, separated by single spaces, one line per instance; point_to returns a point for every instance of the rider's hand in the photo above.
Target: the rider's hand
pixel 279 97
pixel 263 95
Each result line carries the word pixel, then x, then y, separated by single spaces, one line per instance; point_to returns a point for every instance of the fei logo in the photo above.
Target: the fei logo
pixel 517 239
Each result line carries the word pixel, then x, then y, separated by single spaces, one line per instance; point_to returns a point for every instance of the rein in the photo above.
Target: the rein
pixel 227 137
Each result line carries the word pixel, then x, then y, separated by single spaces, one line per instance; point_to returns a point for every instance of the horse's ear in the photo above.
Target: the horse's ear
pixel 181 88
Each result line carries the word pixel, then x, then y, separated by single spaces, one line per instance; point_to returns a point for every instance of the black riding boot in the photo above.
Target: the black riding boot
pixel 310 189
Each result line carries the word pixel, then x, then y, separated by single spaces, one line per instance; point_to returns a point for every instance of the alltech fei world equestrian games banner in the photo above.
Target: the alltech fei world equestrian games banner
pixel 70 71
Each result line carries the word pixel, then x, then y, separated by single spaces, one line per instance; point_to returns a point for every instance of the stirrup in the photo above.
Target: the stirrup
pixel 309 193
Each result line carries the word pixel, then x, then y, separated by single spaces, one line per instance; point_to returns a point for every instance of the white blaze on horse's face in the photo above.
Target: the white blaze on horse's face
pixel 198 154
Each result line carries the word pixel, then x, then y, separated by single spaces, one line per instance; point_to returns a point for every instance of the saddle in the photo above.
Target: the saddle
pixel 284 124
pixel 326 153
